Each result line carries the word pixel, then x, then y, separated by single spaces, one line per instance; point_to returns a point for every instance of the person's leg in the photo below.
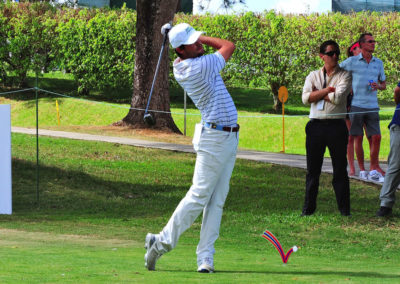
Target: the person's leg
pixel 358 140
pixel 337 144
pixel 212 212
pixel 392 178
pixel 356 130
pixel 315 148
pixel 350 150
pixel 373 130
pixel 374 155
pixel 369 137
pixel 208 168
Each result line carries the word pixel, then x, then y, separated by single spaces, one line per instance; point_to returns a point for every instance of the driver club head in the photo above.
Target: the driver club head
pixel 149 119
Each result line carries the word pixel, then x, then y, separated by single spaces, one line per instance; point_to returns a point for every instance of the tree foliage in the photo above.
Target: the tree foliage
pixel 98 45
pixel 27 38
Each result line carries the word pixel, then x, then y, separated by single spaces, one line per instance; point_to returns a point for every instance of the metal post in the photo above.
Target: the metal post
pixel 184 115
pixel 37 140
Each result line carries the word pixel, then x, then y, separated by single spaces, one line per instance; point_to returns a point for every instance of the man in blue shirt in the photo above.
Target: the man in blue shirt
pixel 392 178
pixel 368 77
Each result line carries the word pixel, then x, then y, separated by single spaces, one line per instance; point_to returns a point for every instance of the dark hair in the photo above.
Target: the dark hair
pixel 181 47
pixel 350 52
pixel 362 37
pixel 325 44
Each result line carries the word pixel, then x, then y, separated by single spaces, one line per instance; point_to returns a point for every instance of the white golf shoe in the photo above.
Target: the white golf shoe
pixel 152 255
pixel 206 265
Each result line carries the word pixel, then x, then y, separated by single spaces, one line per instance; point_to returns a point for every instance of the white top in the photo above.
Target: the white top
pixel 200 78
pixel 336 108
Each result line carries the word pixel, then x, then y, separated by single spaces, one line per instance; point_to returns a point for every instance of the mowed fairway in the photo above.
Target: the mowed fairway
pixel 98 201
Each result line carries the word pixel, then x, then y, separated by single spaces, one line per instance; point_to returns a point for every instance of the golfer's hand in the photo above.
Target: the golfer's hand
pixel 165 29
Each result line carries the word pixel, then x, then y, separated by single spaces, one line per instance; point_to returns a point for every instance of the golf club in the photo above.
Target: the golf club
pixel 148 118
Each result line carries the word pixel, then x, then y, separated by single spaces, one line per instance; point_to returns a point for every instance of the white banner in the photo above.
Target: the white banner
pixel 5 160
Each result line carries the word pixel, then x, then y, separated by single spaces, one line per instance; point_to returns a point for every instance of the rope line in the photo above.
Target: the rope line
pixel 182 113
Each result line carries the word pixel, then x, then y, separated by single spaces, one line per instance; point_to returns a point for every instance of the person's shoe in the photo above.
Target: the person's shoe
pixel 306 213
pixel 384 211
pixel 346 214
pixel 206 265
pixel 363 175
pixel 151 256
pixel 374 175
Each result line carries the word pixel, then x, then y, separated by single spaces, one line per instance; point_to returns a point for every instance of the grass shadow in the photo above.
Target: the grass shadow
pixel 76 193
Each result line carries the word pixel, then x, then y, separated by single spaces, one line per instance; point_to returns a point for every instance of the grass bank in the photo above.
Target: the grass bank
pixel 98 202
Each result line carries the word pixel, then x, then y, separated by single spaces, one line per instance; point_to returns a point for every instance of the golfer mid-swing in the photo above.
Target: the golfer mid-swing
pixel 215 142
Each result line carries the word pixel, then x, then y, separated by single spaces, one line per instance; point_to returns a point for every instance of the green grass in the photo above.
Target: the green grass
pixel 98 202
pixel 260 128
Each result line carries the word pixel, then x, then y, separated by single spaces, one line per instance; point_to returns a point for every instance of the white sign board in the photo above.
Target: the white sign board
pixel 5 160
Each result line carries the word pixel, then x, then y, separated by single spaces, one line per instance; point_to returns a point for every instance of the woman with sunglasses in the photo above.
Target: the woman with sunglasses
pixel 326 90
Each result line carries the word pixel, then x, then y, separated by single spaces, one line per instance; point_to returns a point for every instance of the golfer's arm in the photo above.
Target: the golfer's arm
pixel 225 47
pixel 397 95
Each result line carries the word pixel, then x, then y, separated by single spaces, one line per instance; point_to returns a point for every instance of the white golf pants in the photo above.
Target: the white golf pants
pixel 216 155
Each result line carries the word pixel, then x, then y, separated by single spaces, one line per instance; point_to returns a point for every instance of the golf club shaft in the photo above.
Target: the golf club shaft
pixel 155 75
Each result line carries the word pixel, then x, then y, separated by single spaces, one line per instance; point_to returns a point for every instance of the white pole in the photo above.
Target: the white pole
pixel 184 111
pixel 5 160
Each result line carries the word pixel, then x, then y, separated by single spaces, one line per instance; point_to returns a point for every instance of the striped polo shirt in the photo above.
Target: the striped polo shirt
pixel 362 73
pixel 200 78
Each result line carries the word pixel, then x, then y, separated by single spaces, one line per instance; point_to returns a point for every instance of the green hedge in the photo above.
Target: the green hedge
pixel 98 45
pixel 98 48
pixel 27 37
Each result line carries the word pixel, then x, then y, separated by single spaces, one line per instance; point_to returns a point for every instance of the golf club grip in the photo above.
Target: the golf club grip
pixel 155 75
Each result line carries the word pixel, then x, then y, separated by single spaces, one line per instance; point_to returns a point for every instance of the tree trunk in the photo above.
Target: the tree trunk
pixel 277 103
pixel 151 15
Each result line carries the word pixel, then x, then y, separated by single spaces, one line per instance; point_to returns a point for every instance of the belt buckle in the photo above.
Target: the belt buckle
pixel 213 126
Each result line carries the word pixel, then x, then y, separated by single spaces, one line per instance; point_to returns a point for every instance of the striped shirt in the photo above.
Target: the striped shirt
pixel 362 73
pixel 200 78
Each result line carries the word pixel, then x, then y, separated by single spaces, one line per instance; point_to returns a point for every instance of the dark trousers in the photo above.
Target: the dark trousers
pixel 331 133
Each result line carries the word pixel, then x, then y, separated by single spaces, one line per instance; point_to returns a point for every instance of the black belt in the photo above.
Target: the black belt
pixel 334 120
pixel 221 127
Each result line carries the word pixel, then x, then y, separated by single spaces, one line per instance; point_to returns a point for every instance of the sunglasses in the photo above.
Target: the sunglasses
pixel 371 41
pixel 331 53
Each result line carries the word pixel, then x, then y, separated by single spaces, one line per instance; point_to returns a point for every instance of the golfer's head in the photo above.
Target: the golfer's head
pixel 185 40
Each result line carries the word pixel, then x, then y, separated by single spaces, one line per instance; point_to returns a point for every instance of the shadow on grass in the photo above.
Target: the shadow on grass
pixel 365 274
pixel 77 193
pixel 320 272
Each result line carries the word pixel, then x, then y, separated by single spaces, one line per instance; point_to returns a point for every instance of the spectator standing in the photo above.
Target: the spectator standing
pixel 368 77
pixel 392 178
pixel 352 50
pixel 326 90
